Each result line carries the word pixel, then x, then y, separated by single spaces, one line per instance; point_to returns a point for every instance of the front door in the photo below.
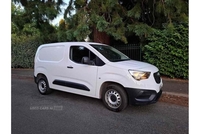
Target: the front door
pixel 80 77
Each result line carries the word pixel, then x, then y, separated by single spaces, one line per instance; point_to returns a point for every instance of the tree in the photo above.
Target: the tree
pixel 41 10
pixel 40 13
pixel 101 15
pixel 20 26
pixel 17 21
pixel 120 19
pixel 26 36
pixel 61 32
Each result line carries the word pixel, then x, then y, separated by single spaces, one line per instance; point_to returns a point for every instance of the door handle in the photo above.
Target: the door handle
pixel 70 67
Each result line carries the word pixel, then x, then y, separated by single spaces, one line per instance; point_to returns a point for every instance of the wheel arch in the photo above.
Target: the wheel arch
pixel 105 84
pixel 40 75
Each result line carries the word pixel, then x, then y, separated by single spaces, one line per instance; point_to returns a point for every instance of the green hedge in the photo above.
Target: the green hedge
pixel 168 50
pixel 23 50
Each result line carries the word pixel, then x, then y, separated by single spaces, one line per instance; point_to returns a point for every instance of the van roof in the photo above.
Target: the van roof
pixel 73 43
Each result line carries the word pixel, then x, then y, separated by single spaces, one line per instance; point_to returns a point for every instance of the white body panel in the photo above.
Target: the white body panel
pixel 54 62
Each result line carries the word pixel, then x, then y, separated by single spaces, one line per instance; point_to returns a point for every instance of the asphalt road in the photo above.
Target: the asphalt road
pixel 65 113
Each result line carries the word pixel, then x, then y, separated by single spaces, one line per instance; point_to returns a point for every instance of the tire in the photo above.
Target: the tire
pixel 115 98
pixel 43 86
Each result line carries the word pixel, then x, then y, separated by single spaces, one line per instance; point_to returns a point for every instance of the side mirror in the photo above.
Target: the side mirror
pixel 86 60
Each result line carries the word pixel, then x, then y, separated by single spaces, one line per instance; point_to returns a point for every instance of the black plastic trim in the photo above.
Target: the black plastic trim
pixel 157 77
pixel 71 84
pixel 142 96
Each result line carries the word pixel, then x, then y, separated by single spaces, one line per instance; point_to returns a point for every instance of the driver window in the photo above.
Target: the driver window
pixel 78 52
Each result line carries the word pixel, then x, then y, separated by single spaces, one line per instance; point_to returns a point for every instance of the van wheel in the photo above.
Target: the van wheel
pixel 115 98
pixel 43 86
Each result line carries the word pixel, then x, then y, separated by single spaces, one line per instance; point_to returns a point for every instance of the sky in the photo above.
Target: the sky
pixel 59 17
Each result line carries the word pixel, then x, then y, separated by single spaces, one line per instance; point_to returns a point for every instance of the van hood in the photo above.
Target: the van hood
pixel 134 65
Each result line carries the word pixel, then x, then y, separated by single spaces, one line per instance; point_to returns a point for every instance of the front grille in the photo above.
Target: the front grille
pixel 157 77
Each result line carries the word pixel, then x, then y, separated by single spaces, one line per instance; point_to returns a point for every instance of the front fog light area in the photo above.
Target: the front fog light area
pixel 139 75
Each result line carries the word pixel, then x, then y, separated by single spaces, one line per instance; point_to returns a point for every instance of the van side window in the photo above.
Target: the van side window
pixel 78 52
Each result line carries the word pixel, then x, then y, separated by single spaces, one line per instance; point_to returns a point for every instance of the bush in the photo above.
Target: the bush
pixel 23 51
pixel 168 50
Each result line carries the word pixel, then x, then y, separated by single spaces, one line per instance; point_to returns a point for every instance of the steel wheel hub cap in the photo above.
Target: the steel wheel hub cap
pixel 113 98
pixel 42 86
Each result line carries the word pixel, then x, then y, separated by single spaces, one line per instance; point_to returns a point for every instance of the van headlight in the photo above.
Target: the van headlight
pixel 139 75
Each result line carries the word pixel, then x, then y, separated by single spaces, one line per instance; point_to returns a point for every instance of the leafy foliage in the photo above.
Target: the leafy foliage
pixel 121 19
pixel 27 35
pixel 38 14
pixel 23 51
pixel 161 24
pixel 168 50
pixel 135 12
pixel 103 15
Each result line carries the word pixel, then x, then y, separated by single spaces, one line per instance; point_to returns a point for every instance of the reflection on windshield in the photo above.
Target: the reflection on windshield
pixel 111 53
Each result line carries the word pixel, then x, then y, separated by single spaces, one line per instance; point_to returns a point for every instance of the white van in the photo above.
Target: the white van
pixel 96 70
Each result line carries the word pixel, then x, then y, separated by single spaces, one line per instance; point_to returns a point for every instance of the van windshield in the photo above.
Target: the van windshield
pixel 111 53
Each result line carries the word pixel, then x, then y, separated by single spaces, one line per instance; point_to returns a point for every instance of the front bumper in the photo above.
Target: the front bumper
pixel 142 96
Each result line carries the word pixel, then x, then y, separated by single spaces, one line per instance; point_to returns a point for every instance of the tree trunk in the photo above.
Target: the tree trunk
pixel 101 37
